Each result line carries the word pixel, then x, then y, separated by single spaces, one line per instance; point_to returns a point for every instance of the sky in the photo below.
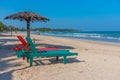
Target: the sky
pixel 86 15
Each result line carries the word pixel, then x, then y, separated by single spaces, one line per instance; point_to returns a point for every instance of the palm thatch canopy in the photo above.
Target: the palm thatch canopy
pixel 11 26
pixel 27 16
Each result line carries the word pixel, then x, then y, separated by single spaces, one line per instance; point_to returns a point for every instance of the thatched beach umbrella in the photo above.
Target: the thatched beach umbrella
pixel 27 16
pixel 11 28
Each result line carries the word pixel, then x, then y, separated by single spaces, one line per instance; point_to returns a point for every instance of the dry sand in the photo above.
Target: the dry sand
pixel 96 60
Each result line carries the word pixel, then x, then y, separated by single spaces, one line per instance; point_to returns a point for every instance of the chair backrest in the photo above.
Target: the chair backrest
pixel 20 46
pixel 22 40
pixel 31 45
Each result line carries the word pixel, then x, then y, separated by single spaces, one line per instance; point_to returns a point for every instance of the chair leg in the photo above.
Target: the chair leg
pixel 64 59
pixel 28 59
pixel 57 58
pixel 31 61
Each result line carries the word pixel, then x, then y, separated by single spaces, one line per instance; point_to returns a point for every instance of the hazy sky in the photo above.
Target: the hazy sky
pixel 87 15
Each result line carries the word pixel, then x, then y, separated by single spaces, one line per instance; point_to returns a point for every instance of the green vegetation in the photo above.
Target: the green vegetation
pixel 66 30
pixel 43 29
pixel 21 29
pixel 51 30
pixel 3 27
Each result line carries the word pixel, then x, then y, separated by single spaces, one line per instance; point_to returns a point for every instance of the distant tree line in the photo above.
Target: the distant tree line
pixel 66 30
pixel 3 27
pixel 50 30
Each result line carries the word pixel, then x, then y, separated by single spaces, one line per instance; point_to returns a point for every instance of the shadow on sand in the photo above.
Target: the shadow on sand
pixel 6 57
pixel 6 35
pixel 6 51
pixel 53 61
pixel 56 46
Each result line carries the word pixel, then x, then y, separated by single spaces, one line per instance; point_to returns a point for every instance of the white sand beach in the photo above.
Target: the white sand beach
pixel 95 61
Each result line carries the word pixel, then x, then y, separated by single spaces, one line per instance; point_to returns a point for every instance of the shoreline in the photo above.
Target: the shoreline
pixel 93 40
pixel 83 40
pixel 95 36
pixel 97 41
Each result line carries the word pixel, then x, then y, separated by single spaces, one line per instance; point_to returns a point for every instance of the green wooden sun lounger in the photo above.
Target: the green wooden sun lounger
pixel 24 45
pixel 52 53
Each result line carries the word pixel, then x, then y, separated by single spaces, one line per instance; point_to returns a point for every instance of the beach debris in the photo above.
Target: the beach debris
pixel 86 49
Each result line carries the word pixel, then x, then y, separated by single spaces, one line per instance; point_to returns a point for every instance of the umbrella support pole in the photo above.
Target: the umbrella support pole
pixel 28 28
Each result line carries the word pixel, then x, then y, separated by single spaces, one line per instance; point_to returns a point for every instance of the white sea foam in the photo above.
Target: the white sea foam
pixel 92 36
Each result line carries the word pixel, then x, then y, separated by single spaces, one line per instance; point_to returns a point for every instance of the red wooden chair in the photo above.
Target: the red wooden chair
pixel 39 49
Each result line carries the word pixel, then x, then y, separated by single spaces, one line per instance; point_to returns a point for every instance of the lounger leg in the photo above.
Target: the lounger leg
pixel 31 61
pixel 64 59
pixel 27 59
pixel 57 57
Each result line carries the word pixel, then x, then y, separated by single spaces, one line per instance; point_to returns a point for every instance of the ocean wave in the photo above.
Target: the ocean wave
pixel 91 36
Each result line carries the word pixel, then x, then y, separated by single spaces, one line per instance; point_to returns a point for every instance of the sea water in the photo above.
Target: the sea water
pixel 107 36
